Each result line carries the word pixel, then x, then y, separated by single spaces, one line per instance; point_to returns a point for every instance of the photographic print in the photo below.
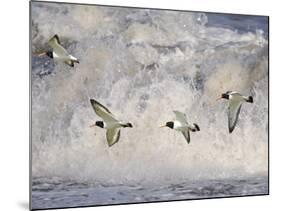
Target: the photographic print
pixel 136 105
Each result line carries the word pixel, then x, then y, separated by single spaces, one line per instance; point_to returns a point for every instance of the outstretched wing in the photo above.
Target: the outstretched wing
pixel 234 108
pixel 55 39
pixel 102 111
pixel 54 42
pixel 186 135
pixel 112 136
pixel 181 117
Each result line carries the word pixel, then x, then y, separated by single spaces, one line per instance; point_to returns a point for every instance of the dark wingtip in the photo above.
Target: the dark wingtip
pixel 93 101
pixel 110 145
pixel 231 129
pixel 57 38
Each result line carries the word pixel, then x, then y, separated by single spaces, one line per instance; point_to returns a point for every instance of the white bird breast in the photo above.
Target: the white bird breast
pixel 178 126
pixel 111 125
pixel 55 56
pixel 62 58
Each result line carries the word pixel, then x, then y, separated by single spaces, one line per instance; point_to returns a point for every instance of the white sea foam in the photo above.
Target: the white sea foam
pixel 143 65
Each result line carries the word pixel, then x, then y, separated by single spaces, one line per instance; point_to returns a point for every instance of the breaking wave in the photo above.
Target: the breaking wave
pixel 143 64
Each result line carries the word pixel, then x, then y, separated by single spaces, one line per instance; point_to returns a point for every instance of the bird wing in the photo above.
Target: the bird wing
pixel 180 117
pixel 186 135
pixel 233 112
pixel 54 42
pixel 102 111
pixel 112 136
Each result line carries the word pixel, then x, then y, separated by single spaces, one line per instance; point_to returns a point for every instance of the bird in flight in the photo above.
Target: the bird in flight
pixel 235 101
pixel 181 125
pixel 58 52
pixel 110 123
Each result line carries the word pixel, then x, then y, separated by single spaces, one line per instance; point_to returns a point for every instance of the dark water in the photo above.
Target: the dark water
pixel 241 23
pixel 53 193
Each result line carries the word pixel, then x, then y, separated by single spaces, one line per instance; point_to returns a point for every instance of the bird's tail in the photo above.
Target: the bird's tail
pixel 250 99
pixel 74 59
pixel 195 128
pixel 127 125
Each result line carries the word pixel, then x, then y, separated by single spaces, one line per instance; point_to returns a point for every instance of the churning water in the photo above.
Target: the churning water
pixel 143 64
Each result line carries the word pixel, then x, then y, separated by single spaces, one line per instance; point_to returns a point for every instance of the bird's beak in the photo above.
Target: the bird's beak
pixel 218 98
pixel 162 126
pixel 40 54
pixel 92 125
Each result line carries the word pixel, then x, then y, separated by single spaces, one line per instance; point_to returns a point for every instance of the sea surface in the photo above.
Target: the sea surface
pixel 143 64
pixel 54 193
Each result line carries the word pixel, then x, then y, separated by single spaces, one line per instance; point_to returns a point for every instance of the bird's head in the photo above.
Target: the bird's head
pixel 224 95
pixel 169 124
pixel 98 123
pixel 50 54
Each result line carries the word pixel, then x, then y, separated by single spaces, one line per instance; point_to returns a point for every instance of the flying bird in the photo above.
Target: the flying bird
pixel 59 53
pixel 235 101
pixel 110 123
pixel 181 124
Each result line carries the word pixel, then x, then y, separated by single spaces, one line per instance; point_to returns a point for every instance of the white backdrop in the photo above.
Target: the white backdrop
pixel 14 112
